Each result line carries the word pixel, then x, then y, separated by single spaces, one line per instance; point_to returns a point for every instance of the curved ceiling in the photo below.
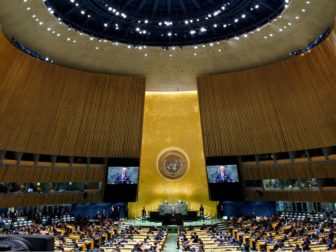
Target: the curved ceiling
pixel 165 23
pixel 30 22
pixel 158 9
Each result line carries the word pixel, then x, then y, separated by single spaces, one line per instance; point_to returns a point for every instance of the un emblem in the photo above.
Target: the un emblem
pixel 172 164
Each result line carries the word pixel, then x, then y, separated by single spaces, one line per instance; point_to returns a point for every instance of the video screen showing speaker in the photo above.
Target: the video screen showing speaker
pixel 223 173
pixel 122 177
pixel 223 179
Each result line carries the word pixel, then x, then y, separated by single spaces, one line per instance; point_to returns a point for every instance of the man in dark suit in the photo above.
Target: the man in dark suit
pixel 123 178
pixel 202 212
pixel 143 214
pixel 222 176
pixel 173 211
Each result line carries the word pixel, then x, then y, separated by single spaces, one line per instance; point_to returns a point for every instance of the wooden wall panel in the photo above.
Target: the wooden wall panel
pixel 303 196
pixel 27 174
pixel 286 106
pixel 325 169
pixel 45 108
pixel 17 200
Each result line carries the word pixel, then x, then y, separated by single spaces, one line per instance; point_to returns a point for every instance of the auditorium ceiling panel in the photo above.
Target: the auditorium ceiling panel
pixel 166 68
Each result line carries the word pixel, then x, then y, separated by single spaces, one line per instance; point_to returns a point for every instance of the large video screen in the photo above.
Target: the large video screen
pixel 117 175
pixel 122 177
pixel 223 173
pixel 223 179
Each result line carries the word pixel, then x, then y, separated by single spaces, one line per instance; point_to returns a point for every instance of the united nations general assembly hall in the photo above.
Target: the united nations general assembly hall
pixel 168 125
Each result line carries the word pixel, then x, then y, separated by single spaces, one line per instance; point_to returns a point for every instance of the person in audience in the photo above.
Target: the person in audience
pixel 104 214
pixel 136 247
pixel 331 234
pixel 196 239
pixel 153 247
pixel 98 215
pixel 279 233
pixel 118 212
pixel 297 248
pixel 190 228
pixel 201 246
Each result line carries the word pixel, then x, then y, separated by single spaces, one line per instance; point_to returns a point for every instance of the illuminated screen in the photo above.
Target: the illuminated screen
pixel 117 175
pixel 223 173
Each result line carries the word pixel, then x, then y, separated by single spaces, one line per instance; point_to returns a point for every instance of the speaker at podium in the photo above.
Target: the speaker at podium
pixel 172 219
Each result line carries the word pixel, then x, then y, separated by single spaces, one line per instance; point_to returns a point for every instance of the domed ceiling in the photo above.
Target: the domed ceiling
pixel 166 23
pixel 66 42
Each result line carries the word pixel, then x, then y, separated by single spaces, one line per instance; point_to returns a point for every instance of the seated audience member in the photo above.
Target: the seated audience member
pixel 277 233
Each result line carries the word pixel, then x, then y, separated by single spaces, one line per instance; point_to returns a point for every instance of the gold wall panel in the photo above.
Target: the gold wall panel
pixel 172 120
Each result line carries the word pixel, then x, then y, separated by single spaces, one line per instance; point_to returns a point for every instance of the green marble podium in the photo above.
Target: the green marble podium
pixel 173 208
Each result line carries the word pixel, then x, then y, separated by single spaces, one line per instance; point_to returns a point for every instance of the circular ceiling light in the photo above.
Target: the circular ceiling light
pixel 166 23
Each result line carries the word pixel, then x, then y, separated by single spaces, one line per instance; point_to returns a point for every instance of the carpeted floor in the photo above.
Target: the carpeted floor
pixel 171 243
